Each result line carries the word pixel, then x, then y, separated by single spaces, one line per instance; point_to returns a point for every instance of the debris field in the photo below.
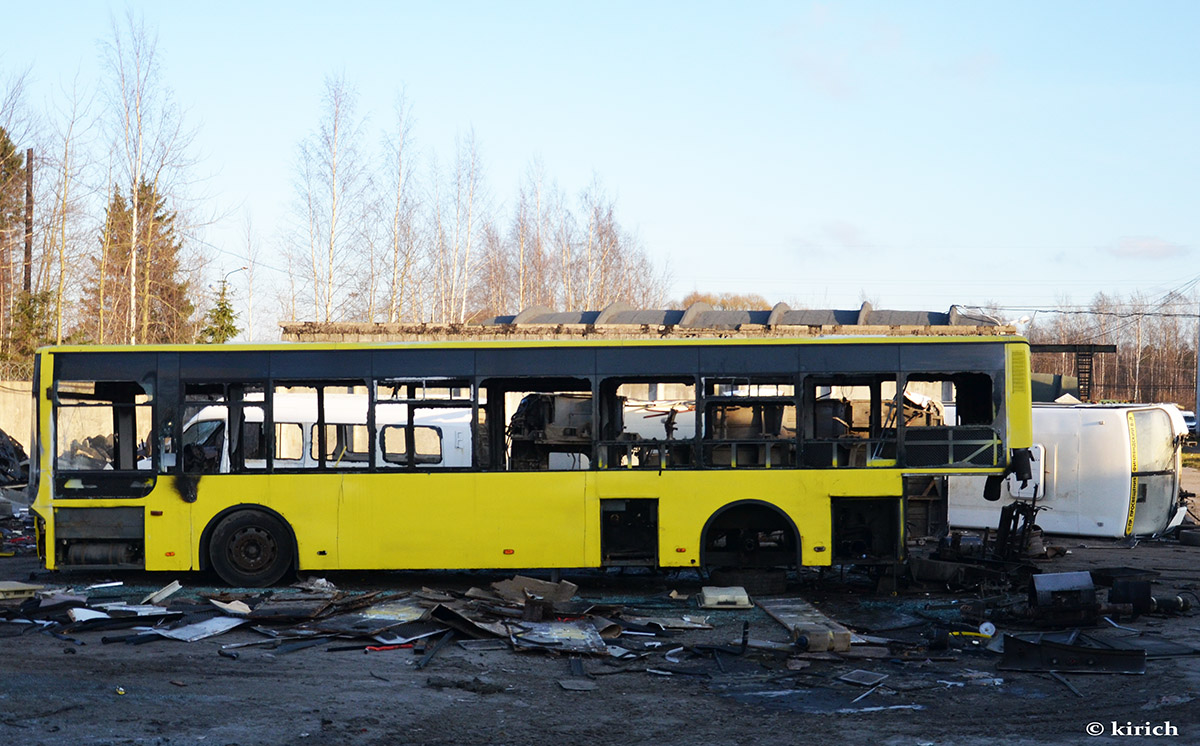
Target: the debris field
pixel 1065 636
pixel 611 657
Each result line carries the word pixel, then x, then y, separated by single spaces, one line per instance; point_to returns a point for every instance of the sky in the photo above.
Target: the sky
pixel 918 154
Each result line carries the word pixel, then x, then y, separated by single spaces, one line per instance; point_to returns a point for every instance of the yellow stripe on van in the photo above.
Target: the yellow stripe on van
pixel 1133 481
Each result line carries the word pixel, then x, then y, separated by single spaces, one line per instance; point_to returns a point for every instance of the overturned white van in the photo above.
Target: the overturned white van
pixel 1104 470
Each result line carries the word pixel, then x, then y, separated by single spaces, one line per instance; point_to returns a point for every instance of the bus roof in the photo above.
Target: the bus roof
pixel 547 343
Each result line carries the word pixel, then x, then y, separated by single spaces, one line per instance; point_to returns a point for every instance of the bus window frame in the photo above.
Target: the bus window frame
pixel 708 400
pixel 412 403
pixel 118 481
pixel 607 442
pixel 320 445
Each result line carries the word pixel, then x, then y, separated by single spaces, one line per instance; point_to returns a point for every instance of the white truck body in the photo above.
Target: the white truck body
pixel 1100 470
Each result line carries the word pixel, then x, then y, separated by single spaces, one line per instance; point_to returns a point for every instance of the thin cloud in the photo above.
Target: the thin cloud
pixel 1146 247
pixel 829 74
pixel 847 236
pixel 975 69
pixel 832 239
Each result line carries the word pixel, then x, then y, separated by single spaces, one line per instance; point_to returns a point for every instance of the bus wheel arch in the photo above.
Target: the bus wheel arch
pixel 249 546
pixel 749 534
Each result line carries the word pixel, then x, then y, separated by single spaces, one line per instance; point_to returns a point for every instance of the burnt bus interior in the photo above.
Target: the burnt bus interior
pixel 120 419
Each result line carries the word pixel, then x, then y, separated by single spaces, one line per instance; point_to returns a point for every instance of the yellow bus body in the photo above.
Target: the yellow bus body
pixel 481 519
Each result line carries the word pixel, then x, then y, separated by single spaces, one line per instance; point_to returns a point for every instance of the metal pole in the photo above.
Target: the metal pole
pixel 1197 409
pixel 1137 364
pixel 29 220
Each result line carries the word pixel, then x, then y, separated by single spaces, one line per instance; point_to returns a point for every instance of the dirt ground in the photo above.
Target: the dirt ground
pixel 57 691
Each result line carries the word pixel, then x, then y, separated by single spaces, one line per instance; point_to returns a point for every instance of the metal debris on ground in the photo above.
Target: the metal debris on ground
pixel 805 623
pixel 570 637
pixel 14 589
pixel 863 678
pixel 163 593
pixel 233 607
pixel 1022 655
pixel 434 648
pixel 665 623
pixel 1062 598
pixel 520 589
pixel 652 636
pixel 733 597
pixel 218 625
pixel 283 608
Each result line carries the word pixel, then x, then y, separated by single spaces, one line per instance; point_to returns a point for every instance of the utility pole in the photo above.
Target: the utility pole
pixel 1197 409
pixel 1137 363
pixel 28 221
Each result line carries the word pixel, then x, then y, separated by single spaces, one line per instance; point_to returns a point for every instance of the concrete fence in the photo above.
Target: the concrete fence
pixel 16 411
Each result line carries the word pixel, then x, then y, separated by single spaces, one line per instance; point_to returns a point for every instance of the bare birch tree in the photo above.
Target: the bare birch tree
pixel 393 243
pixel 250 253
pixel 67 226
pixel 456 211
pixel 147 129
pixel 402 230
pixel 468 183
pixel 1155 341
pixel 333 186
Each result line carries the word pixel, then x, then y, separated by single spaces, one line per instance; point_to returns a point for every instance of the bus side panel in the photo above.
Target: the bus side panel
pixel 170 537
pixel 539 516
pixel 412 520
pixel 308 503
pixel 461 520
pixel 686 500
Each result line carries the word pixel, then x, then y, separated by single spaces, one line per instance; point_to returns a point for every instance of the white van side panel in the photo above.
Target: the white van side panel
pixel 1087 476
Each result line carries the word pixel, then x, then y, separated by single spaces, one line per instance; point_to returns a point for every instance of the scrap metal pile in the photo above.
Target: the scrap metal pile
pixel 521 613
pixel 906 645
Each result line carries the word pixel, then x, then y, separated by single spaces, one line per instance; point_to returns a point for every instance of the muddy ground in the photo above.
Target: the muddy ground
pixel 55 691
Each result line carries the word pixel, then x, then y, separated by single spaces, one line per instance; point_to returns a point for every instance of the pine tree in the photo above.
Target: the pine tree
pixel 164 312
pixel 12 233
pixel 220 320
pixel 32 324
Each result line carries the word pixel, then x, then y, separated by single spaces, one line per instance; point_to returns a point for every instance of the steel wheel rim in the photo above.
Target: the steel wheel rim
pixel 252 549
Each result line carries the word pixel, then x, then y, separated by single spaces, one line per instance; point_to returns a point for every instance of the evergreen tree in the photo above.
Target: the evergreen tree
pixel 12 234
pixel 32 323
pixel 164 311
pixel 12 184
pixel 220 320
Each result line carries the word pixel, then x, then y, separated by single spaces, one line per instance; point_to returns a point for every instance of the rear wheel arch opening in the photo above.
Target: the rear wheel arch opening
pixel 749 534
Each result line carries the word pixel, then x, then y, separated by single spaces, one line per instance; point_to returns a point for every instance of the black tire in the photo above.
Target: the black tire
pixel 1190 537
pixel 251 548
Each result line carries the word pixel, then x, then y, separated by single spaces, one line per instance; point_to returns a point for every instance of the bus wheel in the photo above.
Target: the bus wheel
pixel 251 548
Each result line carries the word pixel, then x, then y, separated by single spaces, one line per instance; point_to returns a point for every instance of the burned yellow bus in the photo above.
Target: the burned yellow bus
pixel 260 460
